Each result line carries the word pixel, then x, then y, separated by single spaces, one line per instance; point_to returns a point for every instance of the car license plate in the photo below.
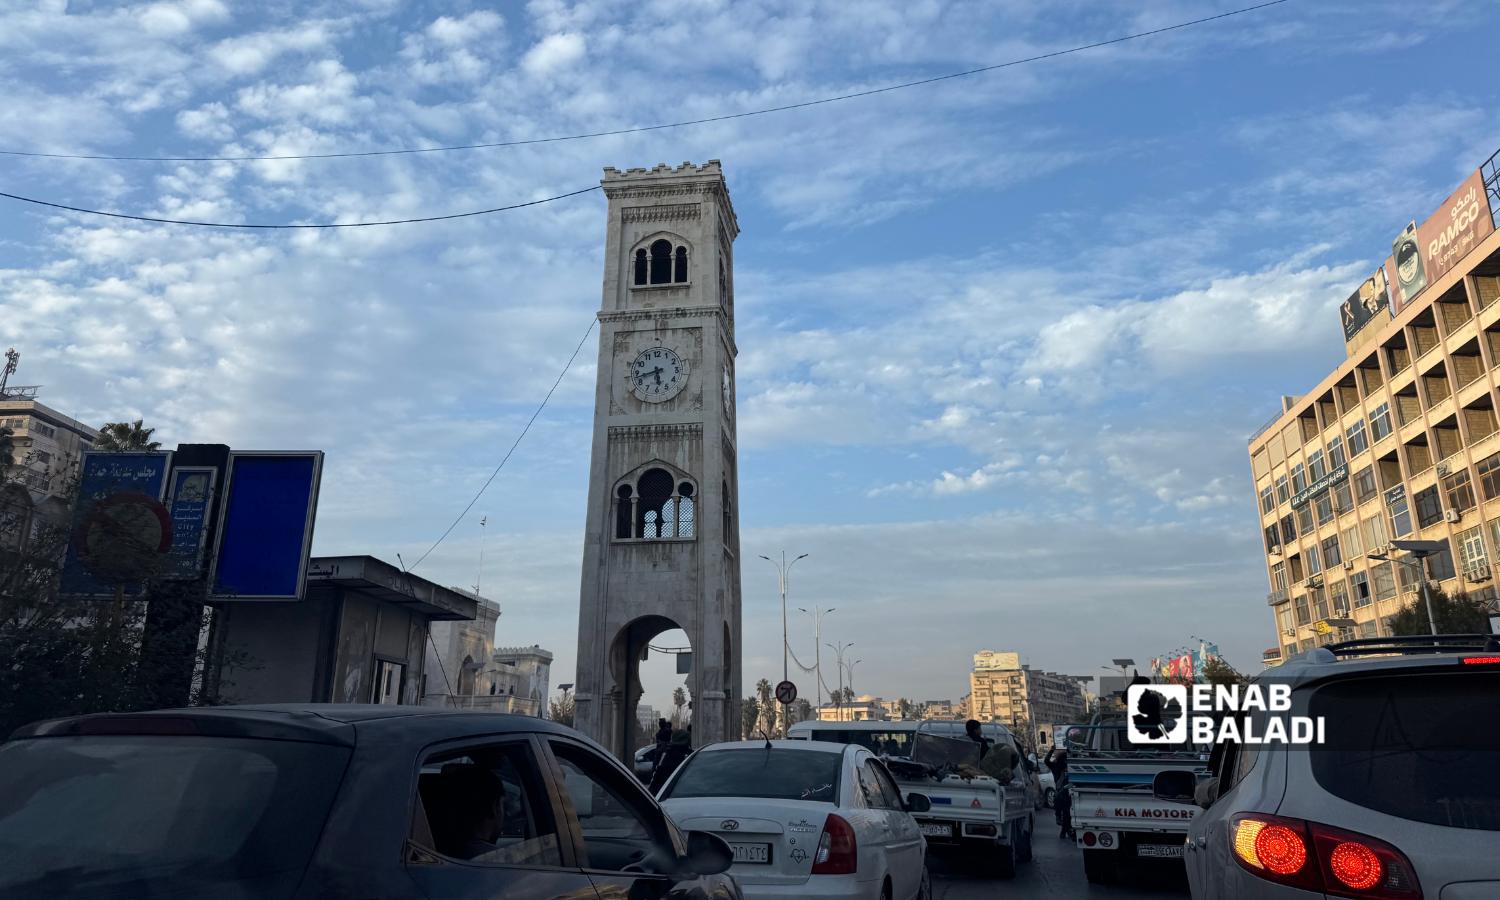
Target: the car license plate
pixel 751 853
pixel 1160 851
pixel 936 829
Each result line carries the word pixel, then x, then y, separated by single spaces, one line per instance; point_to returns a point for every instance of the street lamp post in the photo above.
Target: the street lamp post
pixel 1421 550
pixel 783 570
pixel 818 615
pixel 838 653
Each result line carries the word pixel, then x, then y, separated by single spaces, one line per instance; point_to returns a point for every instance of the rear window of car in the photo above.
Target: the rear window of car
pixel 147 816
pixel 778 773
pixel 1423 747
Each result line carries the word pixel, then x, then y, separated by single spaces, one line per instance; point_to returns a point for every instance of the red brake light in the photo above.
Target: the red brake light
pixel 1280 849
pixel 1356 866
pixel 1481 660
pixel 1322 858
pixel 838 852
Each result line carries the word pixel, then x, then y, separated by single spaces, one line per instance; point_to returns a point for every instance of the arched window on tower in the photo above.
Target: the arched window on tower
pixel 655 510
pixel 640 266
pixel 656 507
pixel 624 511
pixel 661 262
pixel 687 525
pixel 679 267
pixel 724 506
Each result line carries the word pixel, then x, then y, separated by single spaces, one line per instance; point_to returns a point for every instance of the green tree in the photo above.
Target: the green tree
pixel 561 709
pixel 7 450
pixel 679 704
pixel 121 437
pixel 1217 670
pixel 1454 614
pixel 767 701
pixel 749 717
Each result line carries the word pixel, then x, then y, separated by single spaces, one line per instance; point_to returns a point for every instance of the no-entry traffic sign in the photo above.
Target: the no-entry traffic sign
pixel 786 692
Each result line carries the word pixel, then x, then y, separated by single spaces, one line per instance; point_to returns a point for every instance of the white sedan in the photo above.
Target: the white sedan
pixel 804 819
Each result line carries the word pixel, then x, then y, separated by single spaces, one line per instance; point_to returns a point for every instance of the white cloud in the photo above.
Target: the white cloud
pixel 181 16
pixel 554 52
pixel 464 29
pixel 251 53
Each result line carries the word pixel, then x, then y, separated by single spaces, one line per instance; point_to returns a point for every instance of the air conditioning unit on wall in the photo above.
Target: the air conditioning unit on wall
pixel 1452 515
pixel 1348 564
pixel 1442 469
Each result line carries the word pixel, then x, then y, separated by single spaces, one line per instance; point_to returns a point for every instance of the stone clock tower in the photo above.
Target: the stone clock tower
pixel 661 550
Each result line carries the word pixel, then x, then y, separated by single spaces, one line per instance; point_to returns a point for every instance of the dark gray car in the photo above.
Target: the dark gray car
pixel 316 800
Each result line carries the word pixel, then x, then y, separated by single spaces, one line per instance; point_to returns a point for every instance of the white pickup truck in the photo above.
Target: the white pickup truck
pixel 971 814
pixel 1120 804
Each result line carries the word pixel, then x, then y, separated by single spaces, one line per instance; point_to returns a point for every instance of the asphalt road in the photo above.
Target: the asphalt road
pixel 1056 874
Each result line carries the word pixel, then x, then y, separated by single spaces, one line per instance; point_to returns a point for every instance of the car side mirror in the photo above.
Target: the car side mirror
pixel 707 854
pixel 1207 793
pixel 918 803
pixel 1174 785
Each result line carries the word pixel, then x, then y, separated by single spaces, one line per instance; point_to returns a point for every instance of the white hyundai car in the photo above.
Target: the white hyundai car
pixel 804 819
pixel 1399 801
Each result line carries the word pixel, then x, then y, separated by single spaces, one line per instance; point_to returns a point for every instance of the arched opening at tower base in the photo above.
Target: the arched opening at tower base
pixel 645 672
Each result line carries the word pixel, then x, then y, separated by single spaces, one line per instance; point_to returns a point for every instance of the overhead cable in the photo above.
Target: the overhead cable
pixel 484 487
pixel 667 125
pixel 283 226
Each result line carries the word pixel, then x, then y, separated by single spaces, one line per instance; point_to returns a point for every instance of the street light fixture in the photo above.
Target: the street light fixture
pixel 1420 550
pixel 838 653
pixel 818 615
pixel 783 571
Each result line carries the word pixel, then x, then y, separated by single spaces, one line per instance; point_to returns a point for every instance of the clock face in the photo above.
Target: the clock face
pixel 657 374
pixel 728 392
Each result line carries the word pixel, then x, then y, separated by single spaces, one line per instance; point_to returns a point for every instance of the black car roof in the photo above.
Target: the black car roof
pixel 330 723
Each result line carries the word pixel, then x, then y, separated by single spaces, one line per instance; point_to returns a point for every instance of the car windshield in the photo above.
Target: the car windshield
pixel 139 816
pixel 1421 747
pixel 778 773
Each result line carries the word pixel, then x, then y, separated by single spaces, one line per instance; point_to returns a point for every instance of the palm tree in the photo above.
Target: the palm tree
pixel 123 437
pixel 679 700
pixel 767 707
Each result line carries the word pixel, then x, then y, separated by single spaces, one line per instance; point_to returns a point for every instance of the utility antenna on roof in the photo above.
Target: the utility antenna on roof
pixel 12 359
pixel 478 577
pixel 28 392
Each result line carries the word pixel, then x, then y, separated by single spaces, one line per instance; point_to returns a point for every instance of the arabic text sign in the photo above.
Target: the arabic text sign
pixel 105 476
pixel 1338 475
pixel 189 496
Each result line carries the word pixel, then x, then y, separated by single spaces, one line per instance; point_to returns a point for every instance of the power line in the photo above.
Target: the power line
pixel 282 226
pixel 664 126
pixel 513 446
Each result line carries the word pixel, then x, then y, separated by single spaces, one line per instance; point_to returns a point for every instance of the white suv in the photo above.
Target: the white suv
pixel 1401 801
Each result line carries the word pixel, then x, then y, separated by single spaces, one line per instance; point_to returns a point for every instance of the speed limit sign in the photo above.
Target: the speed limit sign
pixel 786 692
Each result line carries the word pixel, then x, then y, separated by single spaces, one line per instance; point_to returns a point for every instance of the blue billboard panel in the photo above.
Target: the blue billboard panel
pixel 266 526
pixel 118 527
pixel 188 500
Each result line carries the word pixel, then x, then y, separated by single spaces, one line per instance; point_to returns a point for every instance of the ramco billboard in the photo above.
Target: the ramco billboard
pixel 1424 253
pixel 1420 255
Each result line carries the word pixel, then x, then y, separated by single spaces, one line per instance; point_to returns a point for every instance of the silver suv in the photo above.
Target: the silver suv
pixel 1400 802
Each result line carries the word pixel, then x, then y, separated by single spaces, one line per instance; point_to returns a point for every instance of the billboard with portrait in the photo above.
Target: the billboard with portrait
pixel 1370 301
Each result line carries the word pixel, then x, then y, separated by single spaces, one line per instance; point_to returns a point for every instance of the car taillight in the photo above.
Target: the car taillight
pixel 1322 858
pixel 838 852
pixel 1481 660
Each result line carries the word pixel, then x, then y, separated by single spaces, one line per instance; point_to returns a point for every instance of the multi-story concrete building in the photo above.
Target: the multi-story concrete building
pixel 469 672
pixel 46 445
pixel 942 709
pixel 1003 689
pixel 864 708
pixel 1398 442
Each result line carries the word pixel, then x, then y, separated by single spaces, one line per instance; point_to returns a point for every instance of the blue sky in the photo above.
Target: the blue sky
pixel 1002 338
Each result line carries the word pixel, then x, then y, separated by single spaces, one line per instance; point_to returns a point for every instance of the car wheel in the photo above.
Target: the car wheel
pixel 924 889
pixel 1099 866
pixel 1005 860
pixel 1050 797
pixel 1025 853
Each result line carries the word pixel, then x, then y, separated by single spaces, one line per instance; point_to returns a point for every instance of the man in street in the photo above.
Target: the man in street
pixel 972 729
